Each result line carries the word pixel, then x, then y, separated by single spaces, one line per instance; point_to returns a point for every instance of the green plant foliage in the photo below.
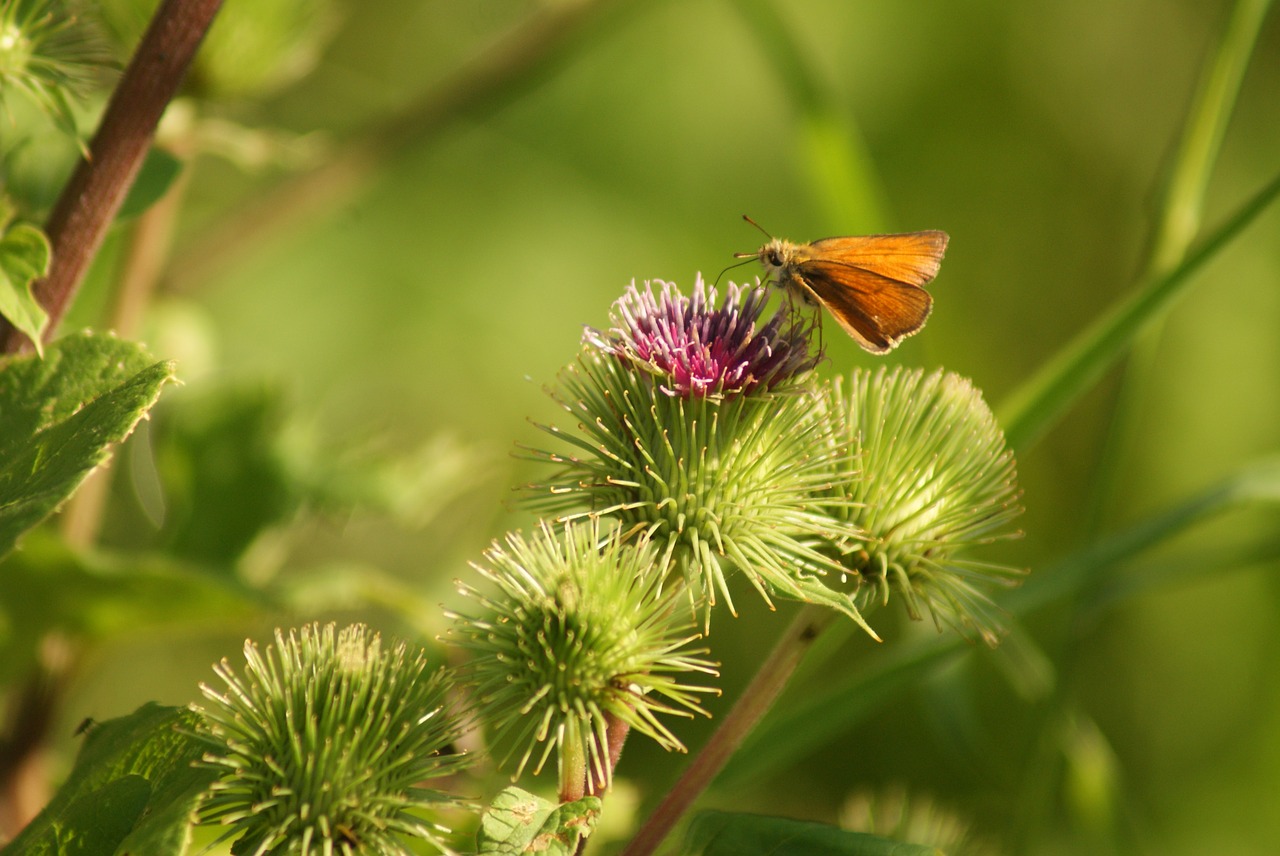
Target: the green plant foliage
pixel 324 742
pixel 520 822
pixel 50 588
pixel 469 184
pixel 220 460
pixel 722 833
pixel 158 173
pixel 59 417
pixel 24 258
pixel 48 55
pixel 132 790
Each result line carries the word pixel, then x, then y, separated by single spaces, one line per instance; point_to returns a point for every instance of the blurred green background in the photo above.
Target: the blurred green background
pixel 518 164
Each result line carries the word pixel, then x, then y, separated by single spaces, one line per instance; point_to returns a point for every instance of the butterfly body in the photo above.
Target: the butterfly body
pixel 873 285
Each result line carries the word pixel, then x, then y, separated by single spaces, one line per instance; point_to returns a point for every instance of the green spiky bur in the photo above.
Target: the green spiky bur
pixel 324 741
pixel 581 631
pixel 935 479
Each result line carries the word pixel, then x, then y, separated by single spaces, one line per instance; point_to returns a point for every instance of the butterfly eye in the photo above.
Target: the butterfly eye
pixel 774 259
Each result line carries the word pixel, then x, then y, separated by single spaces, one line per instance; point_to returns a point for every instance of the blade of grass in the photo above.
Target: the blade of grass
pixel 1201 141
pixel 1179 219
pixel 1034 406
pixel 795 730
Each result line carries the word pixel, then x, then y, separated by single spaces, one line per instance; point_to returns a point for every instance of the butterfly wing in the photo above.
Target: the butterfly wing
pixel 911 258
pixel 877 311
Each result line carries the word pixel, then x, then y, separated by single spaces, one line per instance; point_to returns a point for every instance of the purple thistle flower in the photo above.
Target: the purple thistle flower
pixel 698 350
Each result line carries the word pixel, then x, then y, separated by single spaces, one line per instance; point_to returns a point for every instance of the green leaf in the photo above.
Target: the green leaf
pixel 219 454
pixel 1201 139
pixel 520 822
pixel 133 790
pixel 59 418
pixel 723 833
pixel 24 258
pixel 50 588
pixel 157 174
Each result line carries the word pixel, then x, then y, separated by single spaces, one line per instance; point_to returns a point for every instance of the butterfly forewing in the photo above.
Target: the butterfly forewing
pixel 872 284
pixel 912 257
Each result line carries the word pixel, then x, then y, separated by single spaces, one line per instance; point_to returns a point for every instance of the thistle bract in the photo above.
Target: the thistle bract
pixel 934 480
pixel 580 631
pixel 324 741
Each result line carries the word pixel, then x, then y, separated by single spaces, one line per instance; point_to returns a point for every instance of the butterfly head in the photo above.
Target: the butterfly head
pixel 776 256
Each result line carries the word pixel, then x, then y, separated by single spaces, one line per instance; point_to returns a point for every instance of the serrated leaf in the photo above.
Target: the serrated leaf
pixel 520 822
pixel 133 790
pixel 723 833
pixel 24 258
pixel 59 418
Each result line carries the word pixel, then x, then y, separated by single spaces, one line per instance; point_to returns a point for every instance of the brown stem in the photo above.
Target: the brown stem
pixel 24 775
pixel 616 732
pixel 92 197
pixel 755 702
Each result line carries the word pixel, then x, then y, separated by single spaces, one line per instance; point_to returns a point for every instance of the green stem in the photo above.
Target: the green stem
pixel 1180 219
pixel 756 700
pixel 1202 138
pixel 573 764
pixel 808 724
pixel 1034 406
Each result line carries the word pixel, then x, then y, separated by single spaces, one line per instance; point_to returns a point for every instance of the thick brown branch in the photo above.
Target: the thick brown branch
pixel 92 197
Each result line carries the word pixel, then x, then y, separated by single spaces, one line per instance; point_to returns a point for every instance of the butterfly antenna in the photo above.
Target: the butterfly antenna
pixel 757 225
pixel 746 259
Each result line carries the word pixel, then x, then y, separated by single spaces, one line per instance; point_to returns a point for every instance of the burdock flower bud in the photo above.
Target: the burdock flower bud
pixel 694 348
pixel 580 634
pixel 935 479
pixel 697 424
pixel 325 741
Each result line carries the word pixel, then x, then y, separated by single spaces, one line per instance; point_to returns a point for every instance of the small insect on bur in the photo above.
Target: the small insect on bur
pixel 872 284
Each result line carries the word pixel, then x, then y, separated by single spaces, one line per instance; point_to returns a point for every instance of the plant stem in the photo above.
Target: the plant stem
pixel 24 767
pixel 573 767
pixel 92 197
pixel 755 702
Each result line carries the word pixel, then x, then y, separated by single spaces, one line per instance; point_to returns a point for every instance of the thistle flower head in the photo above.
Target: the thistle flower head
pixel 324 741
pixel 47 55
pixel 696 349
pixel 934 480
pixel 581 632
pixel 695 426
